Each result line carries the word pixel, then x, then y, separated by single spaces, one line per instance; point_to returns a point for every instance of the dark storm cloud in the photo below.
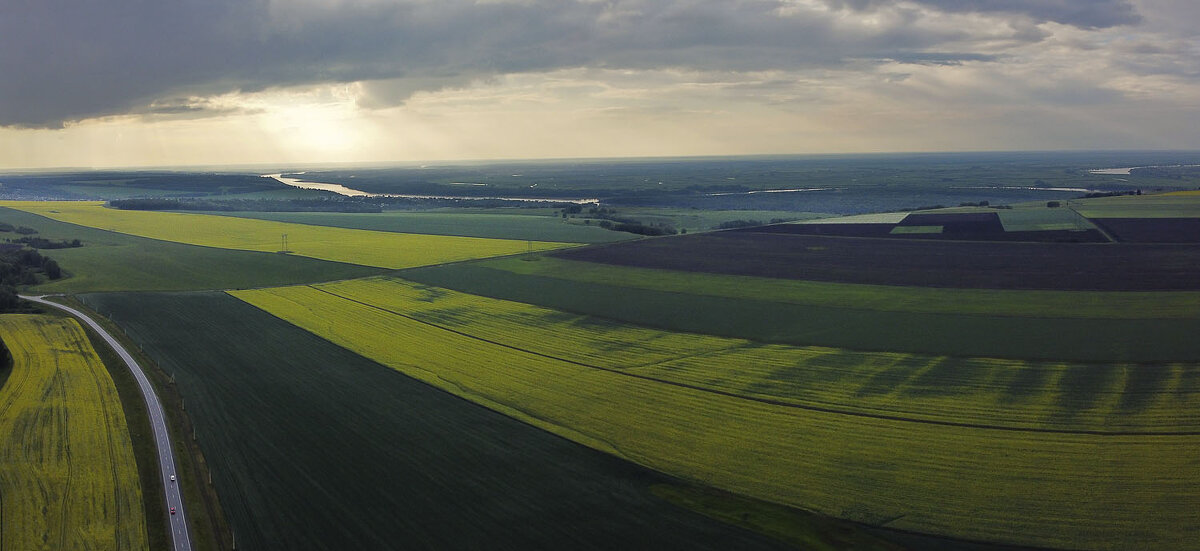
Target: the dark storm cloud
pixel 65 60
pixel 1086 14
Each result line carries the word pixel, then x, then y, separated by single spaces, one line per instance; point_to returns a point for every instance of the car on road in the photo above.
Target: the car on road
pixel 172 510
pixel 172 478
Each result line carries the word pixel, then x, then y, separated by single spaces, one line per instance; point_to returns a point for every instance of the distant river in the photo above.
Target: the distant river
pixel 351 192
pixel 336 188
pixel 1126 170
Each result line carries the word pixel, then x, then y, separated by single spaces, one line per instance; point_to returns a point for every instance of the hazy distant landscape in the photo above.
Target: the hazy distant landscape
pixel 695 374
pixel 631 274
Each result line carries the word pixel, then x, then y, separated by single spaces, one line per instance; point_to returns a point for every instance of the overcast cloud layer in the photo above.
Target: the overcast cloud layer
pixel 76 60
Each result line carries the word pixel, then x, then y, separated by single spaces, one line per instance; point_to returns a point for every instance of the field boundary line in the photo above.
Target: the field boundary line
pixel 768 401
pixel 1096 225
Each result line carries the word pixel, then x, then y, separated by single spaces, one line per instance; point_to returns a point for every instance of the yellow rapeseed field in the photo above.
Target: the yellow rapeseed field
pixel 966 461
pixel 68 479
pixel 364 247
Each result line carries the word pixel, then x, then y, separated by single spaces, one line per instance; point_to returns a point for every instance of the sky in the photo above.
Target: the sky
pixel 118 83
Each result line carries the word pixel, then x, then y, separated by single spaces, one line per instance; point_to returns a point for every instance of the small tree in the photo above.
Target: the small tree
pixel 52 269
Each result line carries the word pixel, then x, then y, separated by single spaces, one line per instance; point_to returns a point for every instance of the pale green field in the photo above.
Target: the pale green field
pixel 874 218
pixel 68 479
pixel 1040 218
pixel 367 248
pixel 1167 205
pixel 902 230
pixel 695 416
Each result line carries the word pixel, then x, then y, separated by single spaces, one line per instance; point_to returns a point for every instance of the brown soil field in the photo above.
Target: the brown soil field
pixel 1152 230
pixel 941 263
pixel 973 226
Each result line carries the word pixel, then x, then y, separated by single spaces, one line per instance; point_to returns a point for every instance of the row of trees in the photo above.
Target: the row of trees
pixel 21 266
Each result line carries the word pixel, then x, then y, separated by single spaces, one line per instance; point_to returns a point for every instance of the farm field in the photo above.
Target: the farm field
pixel 1040 218
pixel 345 453
pixel 367 248
pixel 111 261
pixel 996 265
pixel 1025 222
pixel 991 302
pixel 1166 205
pixel 68 479
pixel 1065 489
pixel 1152 230
pixel 545 227
pixel 879 318
pixel 977 391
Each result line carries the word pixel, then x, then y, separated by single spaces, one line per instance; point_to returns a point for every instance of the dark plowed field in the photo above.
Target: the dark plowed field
pixel 998 265
pixel 1152 230
pixel 974 226
pixel 314 447
pixel 964 224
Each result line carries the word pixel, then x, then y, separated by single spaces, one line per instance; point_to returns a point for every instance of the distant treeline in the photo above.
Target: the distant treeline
pixel 610 221
pixel 43 243
pixel 1111 193
pixel 23 230
pixel 21 266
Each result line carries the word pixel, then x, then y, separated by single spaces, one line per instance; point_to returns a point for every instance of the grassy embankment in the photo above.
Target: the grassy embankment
pixel 366 248
pixel 881 467
pixel 289 420
pixel 67 476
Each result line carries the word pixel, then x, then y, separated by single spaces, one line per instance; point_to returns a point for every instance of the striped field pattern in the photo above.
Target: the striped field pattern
pixel 1034 453
pixel 68 479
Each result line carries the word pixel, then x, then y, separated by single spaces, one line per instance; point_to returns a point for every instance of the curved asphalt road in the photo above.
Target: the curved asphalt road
pixel 166 457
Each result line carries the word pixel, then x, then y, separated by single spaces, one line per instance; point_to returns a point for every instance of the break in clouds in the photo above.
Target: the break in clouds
pixel 69 60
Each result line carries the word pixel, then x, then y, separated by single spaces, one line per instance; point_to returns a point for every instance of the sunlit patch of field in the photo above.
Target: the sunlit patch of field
pixel 68 479
pixel 992 450
pixel 363 247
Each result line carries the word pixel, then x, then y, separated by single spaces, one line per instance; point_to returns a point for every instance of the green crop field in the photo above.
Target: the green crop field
pixel 545 227
pixel 891 298
pixel 1167 205
pixel 1039 484
pixel 900 230
pixel 980 391
pixel 1040 218
pixel 67 474
pixel 110 261
pixel 872 317
pixel 367 248
pixel 314 447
